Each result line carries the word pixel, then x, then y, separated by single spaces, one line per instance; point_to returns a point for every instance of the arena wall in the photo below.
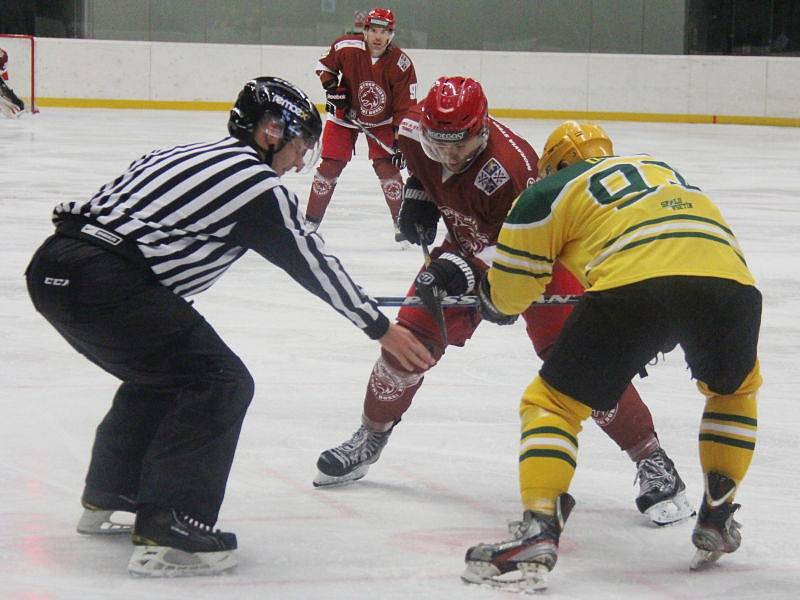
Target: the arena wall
pixel 169 75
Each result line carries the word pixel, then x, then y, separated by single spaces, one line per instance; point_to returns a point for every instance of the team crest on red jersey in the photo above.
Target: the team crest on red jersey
pixel 491 176
pixel 466 230
pixel 371 98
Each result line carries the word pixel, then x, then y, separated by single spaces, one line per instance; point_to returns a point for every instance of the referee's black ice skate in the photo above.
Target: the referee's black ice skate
pixel 523 562
pixel 350 461
pixel 101 513
pixel 716 532
pixel 171 544
pixel 662 493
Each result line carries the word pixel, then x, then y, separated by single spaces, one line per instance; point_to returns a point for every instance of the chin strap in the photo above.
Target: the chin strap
pixel 268 153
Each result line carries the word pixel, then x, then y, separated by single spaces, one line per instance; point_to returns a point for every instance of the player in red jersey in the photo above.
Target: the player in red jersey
pixel 369 80
pixel 467 169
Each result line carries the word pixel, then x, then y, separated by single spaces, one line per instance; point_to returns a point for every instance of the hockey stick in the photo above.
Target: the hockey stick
pixel 472 301
pixel 425 252
pixel 353 121
pixel 435 307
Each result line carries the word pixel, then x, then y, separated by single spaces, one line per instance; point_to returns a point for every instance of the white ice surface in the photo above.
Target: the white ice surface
pixel 448 478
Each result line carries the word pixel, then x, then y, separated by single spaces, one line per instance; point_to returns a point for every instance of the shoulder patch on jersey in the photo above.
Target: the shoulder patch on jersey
pixel 409 128
pixel 491 176
pixel 403 62
pixel 349 44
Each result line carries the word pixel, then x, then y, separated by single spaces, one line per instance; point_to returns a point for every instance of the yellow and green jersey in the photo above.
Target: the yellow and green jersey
pixel 612 222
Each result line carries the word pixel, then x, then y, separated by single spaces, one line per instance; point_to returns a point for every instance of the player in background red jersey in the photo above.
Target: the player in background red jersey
pixel 369 80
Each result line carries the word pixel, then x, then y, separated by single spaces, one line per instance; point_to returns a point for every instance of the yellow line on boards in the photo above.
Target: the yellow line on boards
pixel 513 113
pixel 139 104
pixel 521 113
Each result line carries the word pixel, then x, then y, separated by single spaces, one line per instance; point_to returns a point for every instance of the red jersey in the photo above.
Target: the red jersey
pixel 473 203
pixel 380 90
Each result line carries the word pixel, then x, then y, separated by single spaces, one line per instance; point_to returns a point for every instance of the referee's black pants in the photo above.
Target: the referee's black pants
pixel 171 433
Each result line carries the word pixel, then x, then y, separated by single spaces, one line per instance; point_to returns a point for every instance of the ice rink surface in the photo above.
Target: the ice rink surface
pixel 448 478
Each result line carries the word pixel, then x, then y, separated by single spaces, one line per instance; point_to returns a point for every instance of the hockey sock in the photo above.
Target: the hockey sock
pixel 548 451
pixel 393 193
pixel 728 428
pixel 391 388
pixel 630 425
pixel 728 435
pixel 391 184
pixel 322 188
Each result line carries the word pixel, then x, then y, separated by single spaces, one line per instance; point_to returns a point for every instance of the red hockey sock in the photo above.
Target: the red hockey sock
pixel 391 389
pixel 630 425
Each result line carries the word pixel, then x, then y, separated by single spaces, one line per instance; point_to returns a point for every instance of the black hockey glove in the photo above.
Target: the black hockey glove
pixel 417 210
pixel 398 160
pixel 448 275
pixel 489 311
pixel 336 101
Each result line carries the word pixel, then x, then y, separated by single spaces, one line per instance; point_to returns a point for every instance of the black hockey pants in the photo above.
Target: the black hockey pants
pixel 171 433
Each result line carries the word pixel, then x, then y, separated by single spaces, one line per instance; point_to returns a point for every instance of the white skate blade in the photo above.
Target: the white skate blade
pixel 322 480
pixel 703 558
pixel 162 561
pixel 530 578
pixel 670 512
pixel 104 522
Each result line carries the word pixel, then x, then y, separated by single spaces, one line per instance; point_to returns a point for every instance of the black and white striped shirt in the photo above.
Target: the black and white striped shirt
pixel 193 210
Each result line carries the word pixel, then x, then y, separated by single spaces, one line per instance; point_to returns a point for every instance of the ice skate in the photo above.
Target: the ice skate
pixel 662 493
pixel 350 461
pixel 172 544
pixel 716 532
pixel 400 238
pixel 101 513
pixel 523 562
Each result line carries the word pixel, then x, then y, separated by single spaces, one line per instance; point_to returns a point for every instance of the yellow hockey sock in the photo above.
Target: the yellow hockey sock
pixel 728 435
pixel 728 428
pixel 548 451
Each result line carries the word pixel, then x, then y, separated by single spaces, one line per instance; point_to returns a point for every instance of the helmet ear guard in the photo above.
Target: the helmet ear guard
pixel 571 142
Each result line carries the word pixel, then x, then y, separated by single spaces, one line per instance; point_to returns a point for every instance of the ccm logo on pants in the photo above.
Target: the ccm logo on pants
pixel 56 281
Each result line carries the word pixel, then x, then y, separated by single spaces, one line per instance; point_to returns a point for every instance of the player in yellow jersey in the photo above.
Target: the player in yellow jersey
pixel 661 267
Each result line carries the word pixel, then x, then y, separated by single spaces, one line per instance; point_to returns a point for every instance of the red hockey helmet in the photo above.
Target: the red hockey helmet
pixel 380 17
pixel 454 127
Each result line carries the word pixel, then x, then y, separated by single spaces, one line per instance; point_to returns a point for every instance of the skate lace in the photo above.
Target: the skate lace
pixel 361 446
pixel 523 529
pixel 192 522
pixel 654 473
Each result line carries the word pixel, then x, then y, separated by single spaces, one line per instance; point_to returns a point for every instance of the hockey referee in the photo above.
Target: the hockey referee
pixel 113 280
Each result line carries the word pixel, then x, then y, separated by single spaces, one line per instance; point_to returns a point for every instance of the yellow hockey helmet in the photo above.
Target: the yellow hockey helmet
pixel 571 142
